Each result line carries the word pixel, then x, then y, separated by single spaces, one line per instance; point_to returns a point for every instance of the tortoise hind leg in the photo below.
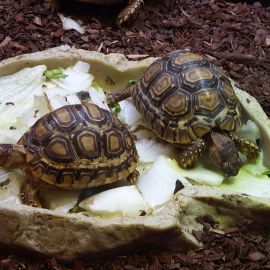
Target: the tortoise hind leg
pixel 191 153
pixel 29 190
pixel 129 13
pixel 248 148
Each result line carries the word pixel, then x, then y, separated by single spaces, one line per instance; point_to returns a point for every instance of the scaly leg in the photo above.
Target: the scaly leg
pixel 133 177
pixel 12 156
pixel 191 153
pixel 29 190
pixel 130 13
pixel 117 95
pixel 248 148
pixel 52 4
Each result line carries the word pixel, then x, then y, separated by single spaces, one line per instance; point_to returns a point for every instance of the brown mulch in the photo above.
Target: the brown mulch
pixel 232 248
pixel 235 35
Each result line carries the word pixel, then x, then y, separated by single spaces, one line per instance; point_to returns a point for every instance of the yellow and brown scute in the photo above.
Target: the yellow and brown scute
pixel 183 96
pixel 79 146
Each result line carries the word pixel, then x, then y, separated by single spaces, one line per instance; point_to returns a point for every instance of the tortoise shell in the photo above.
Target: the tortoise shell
pixel 79 146
pixel 183 96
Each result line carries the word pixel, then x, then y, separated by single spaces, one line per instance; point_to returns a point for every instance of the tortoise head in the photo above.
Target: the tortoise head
pixel 223 153
pixel 12 156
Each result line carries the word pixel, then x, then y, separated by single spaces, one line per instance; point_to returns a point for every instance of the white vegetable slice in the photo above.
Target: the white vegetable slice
pixel 157 184
pixel 10 192
pixel 57 102
pixel 17 95
pixel 250 131
pixel 129 114
pixel 69 24
pixel 250 180
pixel 117 202
pixel 149 149
pixel 20 95
pixel 53 90
pixel 10 136
pixel 60 200
pixel 73 99
pixel 98 97
pixel 63 91
pixel 82 67
pixel 203 175
pixel 25 82
pixel 77 79
pixel 41 105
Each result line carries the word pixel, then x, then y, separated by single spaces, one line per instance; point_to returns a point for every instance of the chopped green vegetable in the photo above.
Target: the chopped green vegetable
pixel 117 108
pixel 55 74
pixel 202 174
pixel 251 180
pixel 96 85
pixel 267 172
pixel 132 82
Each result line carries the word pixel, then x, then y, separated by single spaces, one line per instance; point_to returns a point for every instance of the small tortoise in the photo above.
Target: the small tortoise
pixel 127 15
pixel 73 147
pixel 189 102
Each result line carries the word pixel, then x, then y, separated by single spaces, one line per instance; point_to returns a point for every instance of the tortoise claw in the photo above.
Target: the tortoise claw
pixel 133 177
pixel 28 191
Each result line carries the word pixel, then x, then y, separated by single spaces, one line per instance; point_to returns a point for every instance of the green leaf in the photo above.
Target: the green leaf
pixel 96 85
pixel 267 172
pixel 117 108
pixel 132 82
pixel 55 74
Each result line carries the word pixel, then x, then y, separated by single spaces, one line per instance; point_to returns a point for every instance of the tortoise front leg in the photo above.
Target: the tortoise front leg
pixel 247 147
pixel 191 153
pixel 29 190
pixel 12 156
pixel 118 95
pixel 130 13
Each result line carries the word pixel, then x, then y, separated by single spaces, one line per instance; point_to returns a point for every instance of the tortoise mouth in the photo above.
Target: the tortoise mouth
pixel 223 153
pixel 232 167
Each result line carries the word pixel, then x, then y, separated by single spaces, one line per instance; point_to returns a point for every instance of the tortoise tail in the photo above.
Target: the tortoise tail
pixel 12 156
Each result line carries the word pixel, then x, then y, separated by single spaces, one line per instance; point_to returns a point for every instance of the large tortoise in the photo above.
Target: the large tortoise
pixel 127 15
pixel 73 147
pixel 189 102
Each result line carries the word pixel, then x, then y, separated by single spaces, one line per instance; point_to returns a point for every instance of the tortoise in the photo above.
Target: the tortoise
pixel 191 103
pixel 126 16
pixel 73 147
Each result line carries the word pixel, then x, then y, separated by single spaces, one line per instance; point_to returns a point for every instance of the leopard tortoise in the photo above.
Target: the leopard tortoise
pixel 190 102
pixel 127 15
pixel 73 147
